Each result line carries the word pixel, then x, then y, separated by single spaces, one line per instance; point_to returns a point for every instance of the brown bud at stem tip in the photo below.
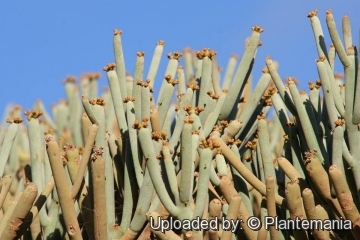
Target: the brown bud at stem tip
pixel 257 29
pixel 14 120
pixel 265 70
pixel 309 154
pixel 339 122
pixel 188 120
pixel 175 56
pixel 158 136
pixel 97 101
pixel 312 14
pixel 193 86
pixel 128 99
pixel 205 52
pixel 33 114
pixel 97 151
pixel 109 67
pixel 161 42
pixel 69 79
pixel 321 59
pixel 49 132
pixel 289 80
pixel 140 54
pixel 261 116
pixel 225 90
pixel 117 32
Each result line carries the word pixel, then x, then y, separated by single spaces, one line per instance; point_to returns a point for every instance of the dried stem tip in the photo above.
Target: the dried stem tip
pixel 339 122
pixel 312 13
pixel 143 84
pixel 161 42
pixel 175 56
pixel 261 116
pixel 205 52
pixel 171 81
pixel 290 124
pixel 213 95
pixel 188 120
pixel 117 32
pixel 196 110
pixel 193 86
pixel 68 146
pixel 265 70
pixel 286 138
pixel 109 67
pixel 48 138
pixel 321 59
pixel 14 120
pixel 329 11
pixel 309 154
pixel 208 143
pixel 49 132
pixel 144 124
pixel 140 54
pixel 91 76
pixel 247 158
pixel 128 99
pixel 316 85
pixel 251 144
pixel 69 79
pixel 158 136
pixel 257 28
pixel 217 128
pixel 272 90
pixel 266 99
pixel 97 101
pixel 232 141
pixel 291 80
pixel 224 123
pixel 195 132
pixel 33 114
pixel 97 151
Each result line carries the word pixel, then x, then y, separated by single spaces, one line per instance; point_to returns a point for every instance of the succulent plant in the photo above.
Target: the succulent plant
pixel 205 160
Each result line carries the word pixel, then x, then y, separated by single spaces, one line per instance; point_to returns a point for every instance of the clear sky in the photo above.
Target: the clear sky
pixel 44 41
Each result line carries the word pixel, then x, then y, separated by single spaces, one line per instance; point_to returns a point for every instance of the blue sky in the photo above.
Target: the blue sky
pixel 44 41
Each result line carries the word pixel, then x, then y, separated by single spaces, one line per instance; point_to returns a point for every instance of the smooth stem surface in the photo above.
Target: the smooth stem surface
pixel 247 174
pixel 21 210
pixel 84 160
pixel 64 192
pixel 204 177
pixel 98 178
pixel 6 146
pixel 5 186
pixel 241 73
pixel 152 164
pixel 120 62
pixel 187 164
